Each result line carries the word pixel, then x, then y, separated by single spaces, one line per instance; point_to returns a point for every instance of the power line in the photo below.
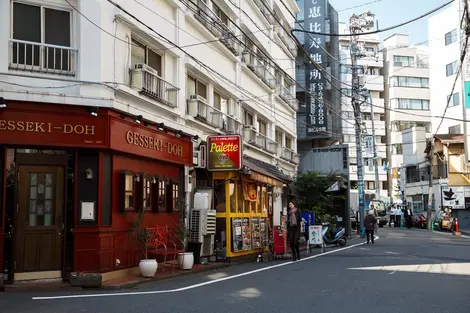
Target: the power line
pixel 378 30
pixel 359 5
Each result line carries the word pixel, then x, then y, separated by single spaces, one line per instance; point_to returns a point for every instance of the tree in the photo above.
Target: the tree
pixel 311 192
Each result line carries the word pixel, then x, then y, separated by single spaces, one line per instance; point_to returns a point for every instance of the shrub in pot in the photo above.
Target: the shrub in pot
pixel 140 235
pixel 185 259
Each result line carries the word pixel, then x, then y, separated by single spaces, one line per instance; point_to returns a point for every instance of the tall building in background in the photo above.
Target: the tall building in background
pixel 318 118
pixel 373 82
pixel 407 96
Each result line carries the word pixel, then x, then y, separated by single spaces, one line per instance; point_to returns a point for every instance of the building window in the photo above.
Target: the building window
pixel 410 104
pixel 453 99
pixel 248 118
pixel 417 204
pixel 141 54
pixel 195 87
pixel 221 15
pixel 175 195
pixel 411 82
pixel 289 143
pixel 126 183
pixel 397 149
pixel 454 129
pixel 262 127
pixel 345 47
pixel 370 49
pixel 402 125
pixel 383 139
pixel 347 69
pixel 385 185
pixel 370 185
pixel 451 68
pixel 349 138
pixel 43 32
pixel 161 194
pixel 403 61
pixel 353 161
pixel 278 137
pixel 144 191
pixel 451 37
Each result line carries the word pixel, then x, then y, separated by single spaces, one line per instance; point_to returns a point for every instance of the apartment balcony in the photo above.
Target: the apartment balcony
pixel 251 136
pixel 288 41
pixel 260 69
pixel 42 58
pixel 149 84
pixel 263 5
pixel 200 110
pixel 289 155
pixel 232 125
pixel 288 97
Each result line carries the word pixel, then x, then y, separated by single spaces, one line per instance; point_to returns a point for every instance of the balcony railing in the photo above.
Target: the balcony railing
pixel 411 65
pixel 202 111
pixel 287 40
pixel 154 87
pixel 262 5
pixel 288 97
pixel 289 155
pixel 41 57
pixel 259 140
pixel 263 72
pixel 231 125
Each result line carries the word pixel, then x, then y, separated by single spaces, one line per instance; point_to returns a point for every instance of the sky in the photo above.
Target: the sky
pixel 392 12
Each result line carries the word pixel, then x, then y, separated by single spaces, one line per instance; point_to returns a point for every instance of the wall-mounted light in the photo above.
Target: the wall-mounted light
pixel 3 103
pixel 139 119
pixel 137 177
pixel 179 134
pixel 161 126
pixel 195 138
pixel 88 173
pixel 154 180
pixel 93 111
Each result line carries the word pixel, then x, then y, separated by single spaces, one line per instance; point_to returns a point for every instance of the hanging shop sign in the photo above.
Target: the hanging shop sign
pixel 453 197
pixel 224 153
pixel 251 194
pixel 315 15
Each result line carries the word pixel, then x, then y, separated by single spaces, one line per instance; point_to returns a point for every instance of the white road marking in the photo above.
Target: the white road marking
pixel 392 273
pixel 196 285
pixel 443 268
pixel 391 252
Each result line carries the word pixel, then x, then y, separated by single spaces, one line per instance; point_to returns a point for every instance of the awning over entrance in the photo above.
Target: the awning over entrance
pixel 266 169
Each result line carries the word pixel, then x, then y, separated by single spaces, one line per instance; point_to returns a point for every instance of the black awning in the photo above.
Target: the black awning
pixel 266 169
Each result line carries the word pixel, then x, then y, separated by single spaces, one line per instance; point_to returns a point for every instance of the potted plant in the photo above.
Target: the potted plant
pixel 140 235
pixel 185 259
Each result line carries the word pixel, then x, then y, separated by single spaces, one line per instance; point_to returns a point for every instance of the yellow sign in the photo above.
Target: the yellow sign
pixel 153 143
pixel 251 194
pixel 265 179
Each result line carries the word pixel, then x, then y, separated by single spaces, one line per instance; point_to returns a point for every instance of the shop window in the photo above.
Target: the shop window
pixel 233 196
pixel 161 194
pixel 154 199
pixel 175 195
pixel 172 194
pixel 126 184
pixel 144 191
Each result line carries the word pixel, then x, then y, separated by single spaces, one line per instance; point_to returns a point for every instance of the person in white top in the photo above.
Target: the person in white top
pixel 398 214
pixel 392 216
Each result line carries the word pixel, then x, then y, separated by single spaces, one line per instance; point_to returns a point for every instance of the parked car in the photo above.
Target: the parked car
pixel 381 212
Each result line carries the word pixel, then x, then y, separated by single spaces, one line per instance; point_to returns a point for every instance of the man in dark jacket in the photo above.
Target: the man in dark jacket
pixel 369 223
pixel 294 219
pixel 408 214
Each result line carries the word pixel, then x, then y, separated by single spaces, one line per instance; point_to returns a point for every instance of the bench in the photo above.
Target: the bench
pixel 161 243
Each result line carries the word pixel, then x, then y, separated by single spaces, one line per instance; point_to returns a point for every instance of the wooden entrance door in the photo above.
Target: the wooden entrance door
pixel 39 219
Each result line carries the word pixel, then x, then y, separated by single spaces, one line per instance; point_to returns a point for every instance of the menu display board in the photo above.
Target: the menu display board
pixel 237 238
pixel 246 233
pixel 256 238
pixel 263 233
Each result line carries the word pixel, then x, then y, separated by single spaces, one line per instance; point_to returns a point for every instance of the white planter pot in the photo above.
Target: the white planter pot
pixel 186 260
pixel 148 268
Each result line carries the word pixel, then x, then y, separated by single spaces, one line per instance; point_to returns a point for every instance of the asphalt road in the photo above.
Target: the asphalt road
pixel 404 271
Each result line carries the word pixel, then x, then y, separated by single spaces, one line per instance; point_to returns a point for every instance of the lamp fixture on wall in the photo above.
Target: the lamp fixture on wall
pixel 161 126
pixel 93 111
pixel 179 134
pixel 138 119
pixel 137 177
pixel 88 173
pixel 3 103
pixel 195 138
pixel 154 180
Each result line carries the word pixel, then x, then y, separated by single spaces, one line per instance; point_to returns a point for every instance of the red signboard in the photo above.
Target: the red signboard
pixel 224 153
pixel 132 138
pixel 52 129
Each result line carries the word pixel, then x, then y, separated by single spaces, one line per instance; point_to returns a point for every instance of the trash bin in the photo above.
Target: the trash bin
pixel 195 248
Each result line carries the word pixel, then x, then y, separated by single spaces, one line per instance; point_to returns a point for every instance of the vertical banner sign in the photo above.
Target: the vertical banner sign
pixel 315 14
pixel 369 146
pixel 466 97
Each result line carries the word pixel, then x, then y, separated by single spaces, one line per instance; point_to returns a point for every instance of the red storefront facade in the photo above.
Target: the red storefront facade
pixel 72 182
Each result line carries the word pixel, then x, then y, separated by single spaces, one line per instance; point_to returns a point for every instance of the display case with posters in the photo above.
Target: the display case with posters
pixel 256 237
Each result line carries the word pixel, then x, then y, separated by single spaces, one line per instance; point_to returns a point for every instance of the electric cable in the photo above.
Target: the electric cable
pixel 379 30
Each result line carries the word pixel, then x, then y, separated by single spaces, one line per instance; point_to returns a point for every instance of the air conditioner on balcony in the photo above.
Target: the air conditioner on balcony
pixel 145 67
pixel 197 97
pixel 200 157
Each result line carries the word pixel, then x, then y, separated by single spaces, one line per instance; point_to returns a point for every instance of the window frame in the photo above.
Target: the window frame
pixel 451 102
pixel 397 81
pixel 145 192
pixel 452 35
pixel 126 197
pixel 399 103
pixel 197 81
pixel 136 40
pixel 263 123
pixel 453 66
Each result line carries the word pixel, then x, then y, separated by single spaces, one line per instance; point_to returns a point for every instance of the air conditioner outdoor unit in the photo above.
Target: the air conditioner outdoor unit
pixel 200 157
pixel 202 229
pixel 145 67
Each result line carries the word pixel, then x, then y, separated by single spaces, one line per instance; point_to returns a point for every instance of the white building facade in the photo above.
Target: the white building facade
pixel 407 96
pixel 374 83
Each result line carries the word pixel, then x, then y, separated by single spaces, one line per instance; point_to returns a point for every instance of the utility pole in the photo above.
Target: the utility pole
pixel 430 192
pixel 357 25
pixel 376 165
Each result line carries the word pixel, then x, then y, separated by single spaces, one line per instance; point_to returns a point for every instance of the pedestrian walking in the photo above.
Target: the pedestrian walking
pixel 374 212
pixel 369 222
pixel 398 214
pixel 293 230
pixel 392 216
pixel 408 214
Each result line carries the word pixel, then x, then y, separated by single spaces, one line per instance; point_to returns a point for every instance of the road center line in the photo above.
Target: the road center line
pixel 196 285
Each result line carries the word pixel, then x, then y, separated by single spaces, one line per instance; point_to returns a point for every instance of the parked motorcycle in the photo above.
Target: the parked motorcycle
pixel 338 235
pixel 419 221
